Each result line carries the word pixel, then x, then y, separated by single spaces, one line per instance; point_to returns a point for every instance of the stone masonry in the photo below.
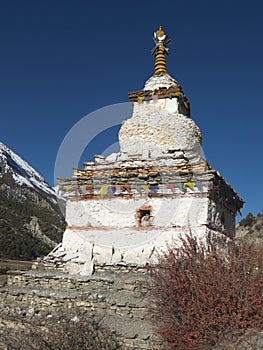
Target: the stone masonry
pixel 116 297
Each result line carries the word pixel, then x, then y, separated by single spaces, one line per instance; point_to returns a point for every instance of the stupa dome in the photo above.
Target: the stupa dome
pixel 157 127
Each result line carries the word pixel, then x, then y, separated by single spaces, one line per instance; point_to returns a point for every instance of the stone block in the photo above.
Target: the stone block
pixel 87 268
pixel 102 254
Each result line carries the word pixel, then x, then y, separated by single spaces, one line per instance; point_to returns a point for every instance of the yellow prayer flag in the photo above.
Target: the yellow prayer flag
pixel 145 188
pixel 190 184
pixel 104 190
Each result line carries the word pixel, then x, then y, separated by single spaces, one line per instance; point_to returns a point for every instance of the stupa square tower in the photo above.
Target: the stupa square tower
pixel 127 207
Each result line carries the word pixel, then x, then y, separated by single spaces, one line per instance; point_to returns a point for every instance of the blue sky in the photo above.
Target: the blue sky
pixel 61 60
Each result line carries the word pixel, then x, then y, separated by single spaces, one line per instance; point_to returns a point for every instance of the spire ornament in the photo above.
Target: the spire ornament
pixel 160 50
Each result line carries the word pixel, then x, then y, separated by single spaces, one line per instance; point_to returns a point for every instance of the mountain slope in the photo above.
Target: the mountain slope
pixel 31 223
pixel 251 227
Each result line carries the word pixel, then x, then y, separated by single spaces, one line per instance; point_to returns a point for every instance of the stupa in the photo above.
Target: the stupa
pixel 126 208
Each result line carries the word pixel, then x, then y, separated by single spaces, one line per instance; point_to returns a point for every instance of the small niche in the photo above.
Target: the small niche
pixel 144 216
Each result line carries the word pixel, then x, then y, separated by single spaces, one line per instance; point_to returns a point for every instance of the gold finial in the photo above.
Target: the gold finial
pixel 160 50
pixel 160 32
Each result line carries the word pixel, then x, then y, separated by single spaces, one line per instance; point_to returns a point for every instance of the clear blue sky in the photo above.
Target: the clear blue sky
pixel 61 60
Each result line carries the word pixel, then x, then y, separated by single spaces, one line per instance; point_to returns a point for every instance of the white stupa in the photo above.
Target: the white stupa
pixel 127 208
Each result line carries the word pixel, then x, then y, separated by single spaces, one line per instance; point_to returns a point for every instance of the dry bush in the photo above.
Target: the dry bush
pixel 201 294
pixel 62 332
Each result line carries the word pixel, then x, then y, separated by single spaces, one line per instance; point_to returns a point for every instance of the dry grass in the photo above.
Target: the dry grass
pixel 65 331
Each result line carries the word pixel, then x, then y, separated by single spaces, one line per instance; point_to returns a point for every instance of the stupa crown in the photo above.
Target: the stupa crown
pixel 161 86
pixel 160 50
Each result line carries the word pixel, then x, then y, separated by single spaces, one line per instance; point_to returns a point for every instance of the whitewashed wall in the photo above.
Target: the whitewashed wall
pixel 119 212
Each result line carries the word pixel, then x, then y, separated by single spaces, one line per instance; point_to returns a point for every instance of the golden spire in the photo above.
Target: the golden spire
pixel 160 50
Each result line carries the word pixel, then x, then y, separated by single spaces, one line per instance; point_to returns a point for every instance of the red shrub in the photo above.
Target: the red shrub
pixel 200 293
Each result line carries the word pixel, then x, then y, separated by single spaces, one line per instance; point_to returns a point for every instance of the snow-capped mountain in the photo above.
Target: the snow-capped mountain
pixel 22 173
pixel 31 222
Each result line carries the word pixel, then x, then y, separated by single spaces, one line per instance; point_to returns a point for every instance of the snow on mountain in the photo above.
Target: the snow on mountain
pixel 22 173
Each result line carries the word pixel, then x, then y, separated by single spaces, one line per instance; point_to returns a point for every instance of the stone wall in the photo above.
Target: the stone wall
pixel 115 296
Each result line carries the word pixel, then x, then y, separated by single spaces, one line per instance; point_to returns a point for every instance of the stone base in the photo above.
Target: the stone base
pixel 117 296
pixel 81 251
